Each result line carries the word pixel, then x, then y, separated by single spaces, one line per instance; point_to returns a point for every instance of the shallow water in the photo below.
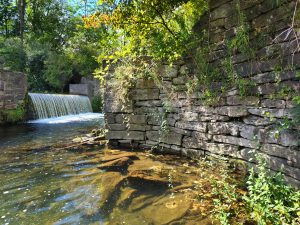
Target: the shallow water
pixel 43 183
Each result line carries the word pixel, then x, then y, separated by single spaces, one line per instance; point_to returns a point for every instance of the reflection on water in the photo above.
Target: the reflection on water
pixel 45 132
pixel 41 185
pixel 49 187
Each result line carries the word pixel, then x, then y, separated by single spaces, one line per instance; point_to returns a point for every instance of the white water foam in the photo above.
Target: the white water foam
pixel 69 118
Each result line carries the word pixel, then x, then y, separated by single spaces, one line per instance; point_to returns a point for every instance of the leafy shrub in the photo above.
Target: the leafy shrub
pixel 13 115
pixel 12 55
pixel 270 200
pixel 97 104
pixel 58 70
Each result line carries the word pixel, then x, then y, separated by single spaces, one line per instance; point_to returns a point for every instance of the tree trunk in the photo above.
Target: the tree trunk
pixel 21 9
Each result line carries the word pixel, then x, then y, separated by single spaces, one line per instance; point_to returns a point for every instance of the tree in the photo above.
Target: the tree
pixel 21 11
pixel 8 15
pixel 160 29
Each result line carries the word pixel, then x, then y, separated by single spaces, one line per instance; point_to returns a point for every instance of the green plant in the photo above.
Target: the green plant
pixel 270 200
pixel 14 115
pixel 97 103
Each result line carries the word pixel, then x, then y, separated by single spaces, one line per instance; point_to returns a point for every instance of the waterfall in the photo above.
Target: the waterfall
pixel 55 105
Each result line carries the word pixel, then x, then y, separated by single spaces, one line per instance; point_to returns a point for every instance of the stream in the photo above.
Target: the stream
pixel 43 185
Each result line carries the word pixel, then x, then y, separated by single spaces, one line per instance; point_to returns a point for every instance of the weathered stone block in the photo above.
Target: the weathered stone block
pixel 128 118
pixel 179 80
pixel 273 77
pixel 192 153
pixel 126 135
pixel 145 84
pixel 195 126
pixel 148 103
pixel 222 149
pixel 268 103
pixel 289 138
pixel 236 141
pixel 116 127
pixel 145 94
pixel 237 100
pixel 167 137
pixel 167 71
pixel 258 121
pixel 116 106
pixel 265 112
pixel 249 132
pixel 190 142
pixel 189 116
pixel 201 136
pixel 232 111
pixel 223 128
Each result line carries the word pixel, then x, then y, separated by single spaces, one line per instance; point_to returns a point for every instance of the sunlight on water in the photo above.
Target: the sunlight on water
pixel 69 118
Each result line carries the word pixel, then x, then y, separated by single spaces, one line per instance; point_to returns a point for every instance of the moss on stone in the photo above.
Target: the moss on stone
pixel 13 115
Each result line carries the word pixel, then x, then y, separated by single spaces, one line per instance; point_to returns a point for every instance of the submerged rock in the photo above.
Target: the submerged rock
pixel 120 162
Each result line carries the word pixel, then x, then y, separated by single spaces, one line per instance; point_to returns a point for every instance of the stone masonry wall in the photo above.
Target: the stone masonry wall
pixel 13 88
pixel 236 126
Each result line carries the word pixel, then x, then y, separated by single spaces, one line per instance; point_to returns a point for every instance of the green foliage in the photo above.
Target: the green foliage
pixel 270 200
pixel 159 29
pixel 8 13
pixel 53 38
pixel 58 71
pixel 97 104
pixel 12 55
pixel 13 115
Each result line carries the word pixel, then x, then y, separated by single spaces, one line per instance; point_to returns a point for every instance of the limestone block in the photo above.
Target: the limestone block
pixel 167 71
pixel 195 126
pixel 266 112
pixel 292 155
pixel 189 116
pixel 249 132
pixel 126 135
pixel 145 84
pixel 129 118
pixel 145 94
pixel 289 138
pixel 273 77
pixel 192 153
pixel 232 111
pixel 222 149
pixel 148 103
pixel 268 103
pixel 191 142
pixel 268 135
pixel 180 131
pixel 236 141
pixel 258 121
pixel 203 110
pixel 164 137
pixel 179 80
pixel 201 136
pixel 237 100
pixel 109 118
pixel 138 127
pixel 213 118
pixel 116 127
pixel 266 89
pixel 116 106
pixel 223 128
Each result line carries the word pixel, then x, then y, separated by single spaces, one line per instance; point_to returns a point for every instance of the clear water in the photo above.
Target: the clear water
pixel 43 185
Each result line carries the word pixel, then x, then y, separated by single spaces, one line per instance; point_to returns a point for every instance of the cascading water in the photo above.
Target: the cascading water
pixel 56 105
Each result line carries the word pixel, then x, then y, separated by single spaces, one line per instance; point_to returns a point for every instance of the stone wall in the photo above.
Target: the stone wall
pixel 168 118
pixel 88 86
pixel 13 89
